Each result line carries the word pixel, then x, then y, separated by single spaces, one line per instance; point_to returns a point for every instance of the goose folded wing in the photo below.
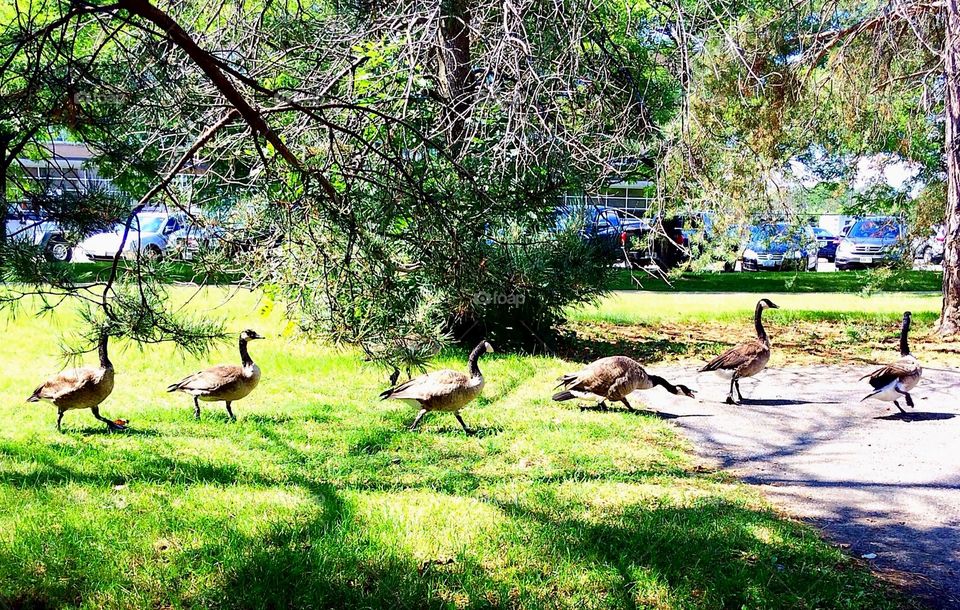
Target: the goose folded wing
pixel 883 376
pixel 597 380
pixel 425 387
pixel 600 376
pixel 735 357
pixel 211 379
pixel 66 382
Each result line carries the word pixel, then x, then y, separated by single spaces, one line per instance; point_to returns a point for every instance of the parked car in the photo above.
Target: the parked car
pixel 592 222
pixel 675 241
pixel 29 226
pixel 778 245
pixel 930 250
pixel 827 243
pixel 872 241
pixel 149 236
pixel 189 241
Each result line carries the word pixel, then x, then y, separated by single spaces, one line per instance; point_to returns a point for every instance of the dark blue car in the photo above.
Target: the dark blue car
pixel 774 246
pixel 827 243
pixel 591 221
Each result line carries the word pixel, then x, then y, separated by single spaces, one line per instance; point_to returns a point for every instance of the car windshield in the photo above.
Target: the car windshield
pixel 878 228
pixel 769 231
pixel 822 232
pixel 148 224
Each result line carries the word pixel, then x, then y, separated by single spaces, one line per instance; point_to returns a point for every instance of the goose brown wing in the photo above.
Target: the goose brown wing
pixel 736 356
pixel 66 382
pixel 211 379
pixel 886 374
pixel 431 385
pixel 601 376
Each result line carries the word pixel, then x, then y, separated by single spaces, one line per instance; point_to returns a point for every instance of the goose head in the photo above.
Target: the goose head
pixel 487 348
pixel 250 335
pixel 768 304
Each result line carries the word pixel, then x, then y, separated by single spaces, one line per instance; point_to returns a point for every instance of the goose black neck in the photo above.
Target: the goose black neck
pixel 474 357
pixel 244 354
pixel 663 383
pixel 758 322
pixel 904 331
pixel 102 350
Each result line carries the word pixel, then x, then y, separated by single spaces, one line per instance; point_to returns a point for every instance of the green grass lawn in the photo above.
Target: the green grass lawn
pixel 784 281
pixel 318 497
pixel 652 308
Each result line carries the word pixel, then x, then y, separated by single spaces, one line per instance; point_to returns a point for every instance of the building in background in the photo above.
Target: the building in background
pixel 67 169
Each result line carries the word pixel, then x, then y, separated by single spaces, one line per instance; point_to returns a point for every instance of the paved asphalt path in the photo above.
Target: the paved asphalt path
pixel 867 476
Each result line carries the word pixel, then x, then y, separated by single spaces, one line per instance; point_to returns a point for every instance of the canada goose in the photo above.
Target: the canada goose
pixel 81 388
pixel 226 382
pixel 443 390
pixel 894 381
pixel 613 378
pixel 746 359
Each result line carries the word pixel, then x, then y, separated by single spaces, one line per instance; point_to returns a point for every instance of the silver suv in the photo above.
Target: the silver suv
pixel 30 227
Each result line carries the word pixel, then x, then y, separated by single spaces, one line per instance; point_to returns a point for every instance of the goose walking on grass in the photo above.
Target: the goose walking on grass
pixel 746 359
pixel 613 378
pixel 226 382
pixel 894 381
pixel 443 390
pixel 81 388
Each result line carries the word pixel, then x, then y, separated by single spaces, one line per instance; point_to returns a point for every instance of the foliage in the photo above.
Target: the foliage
pixel 379 149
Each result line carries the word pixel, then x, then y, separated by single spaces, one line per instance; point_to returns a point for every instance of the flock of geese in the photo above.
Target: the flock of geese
pixel 607 379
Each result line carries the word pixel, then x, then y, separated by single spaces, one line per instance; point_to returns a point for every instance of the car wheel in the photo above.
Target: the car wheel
pixel 842 267
pixel 152 253
pixel 59 251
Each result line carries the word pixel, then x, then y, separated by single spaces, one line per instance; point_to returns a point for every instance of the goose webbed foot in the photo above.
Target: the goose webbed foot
pixel 60 419
pixel 627 405
pixel 897 405
pixel 111 425
pixel 230 412
pixel 730 400
pixel 196 408
pixel 909 400
pixel 468 431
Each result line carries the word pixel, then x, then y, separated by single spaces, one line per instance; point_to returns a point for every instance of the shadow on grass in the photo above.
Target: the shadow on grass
pixel 540 549
pixel 710 555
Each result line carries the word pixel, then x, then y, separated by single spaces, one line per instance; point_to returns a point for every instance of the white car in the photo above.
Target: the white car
pixel 149 236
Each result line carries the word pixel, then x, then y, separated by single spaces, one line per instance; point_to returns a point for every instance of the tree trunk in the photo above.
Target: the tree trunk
pixel 455 71
pixel 4 166
pixel 949 324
